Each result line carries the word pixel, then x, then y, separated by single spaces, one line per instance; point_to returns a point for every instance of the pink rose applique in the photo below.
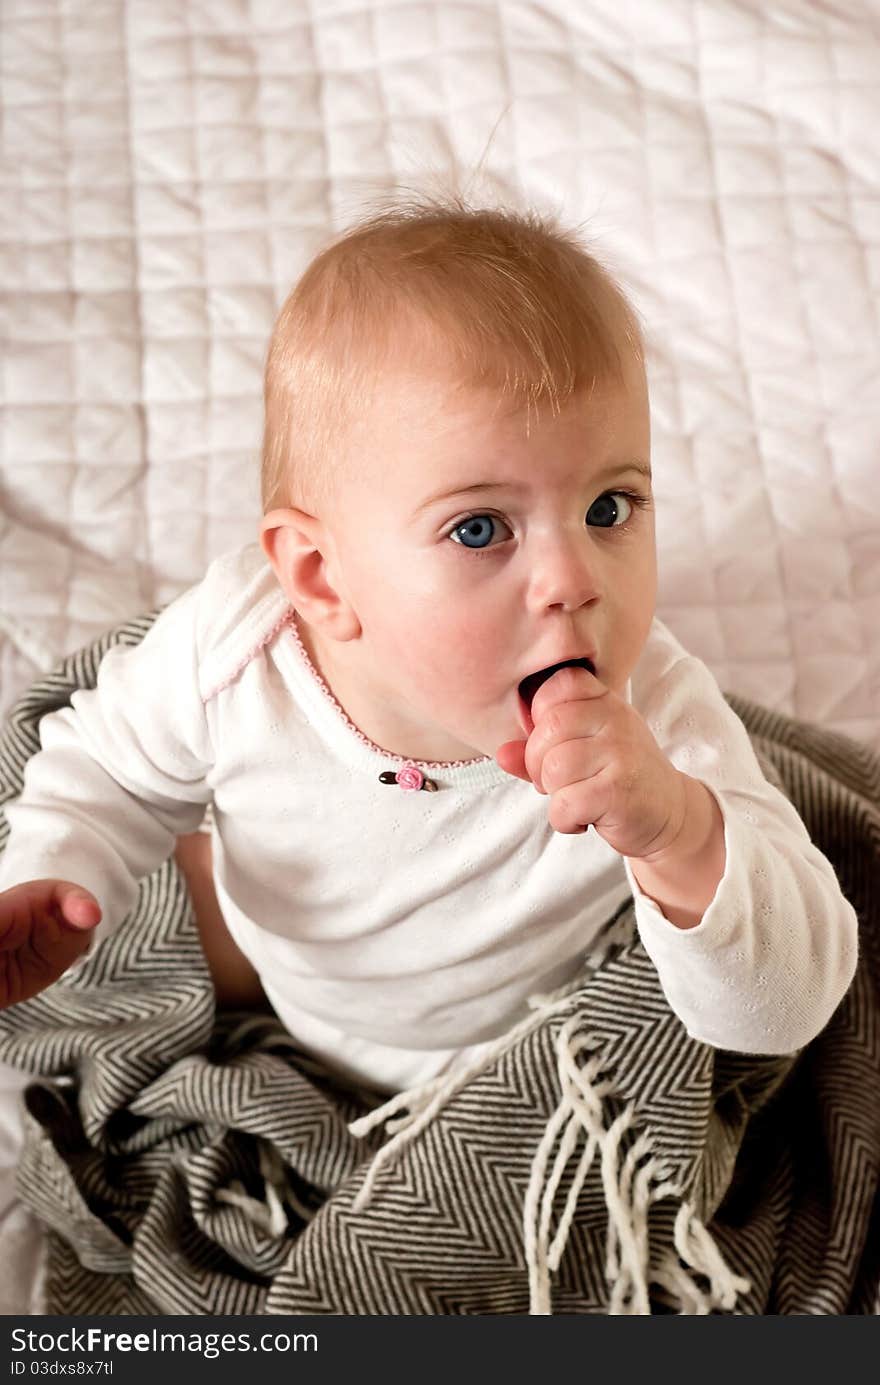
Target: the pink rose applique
pixel 410 778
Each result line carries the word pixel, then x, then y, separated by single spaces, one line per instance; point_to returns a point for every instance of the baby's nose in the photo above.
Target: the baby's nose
pixel 565 575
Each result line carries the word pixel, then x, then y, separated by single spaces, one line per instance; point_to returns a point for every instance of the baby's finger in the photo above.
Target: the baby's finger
pixel 567 684
pixel 511 757
pixel 572 724
pixel 575 808
pixel 78 907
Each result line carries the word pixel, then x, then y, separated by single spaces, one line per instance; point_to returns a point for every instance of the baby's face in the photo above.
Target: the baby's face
pixel 474 556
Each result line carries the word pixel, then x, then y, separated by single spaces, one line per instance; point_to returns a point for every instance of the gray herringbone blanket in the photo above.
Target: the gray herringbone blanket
pixel 601 1161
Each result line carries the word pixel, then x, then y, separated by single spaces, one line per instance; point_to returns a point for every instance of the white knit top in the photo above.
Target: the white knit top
pixel 396 931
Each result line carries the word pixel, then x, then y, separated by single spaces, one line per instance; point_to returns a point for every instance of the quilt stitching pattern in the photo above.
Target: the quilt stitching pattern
pixel 170 168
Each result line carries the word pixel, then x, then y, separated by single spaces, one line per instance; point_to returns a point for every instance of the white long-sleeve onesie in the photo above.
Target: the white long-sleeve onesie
pixel 395 931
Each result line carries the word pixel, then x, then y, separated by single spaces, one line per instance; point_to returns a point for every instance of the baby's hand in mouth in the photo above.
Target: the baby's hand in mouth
pixel 511 755
pixel 595 758
pixel 529 686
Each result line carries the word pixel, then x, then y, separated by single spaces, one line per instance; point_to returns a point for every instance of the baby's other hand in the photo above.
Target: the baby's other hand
pixel 44 926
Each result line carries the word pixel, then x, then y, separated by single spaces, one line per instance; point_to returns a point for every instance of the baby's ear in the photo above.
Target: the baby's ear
pixel 281 531
pixel 293 542
pixel 303 557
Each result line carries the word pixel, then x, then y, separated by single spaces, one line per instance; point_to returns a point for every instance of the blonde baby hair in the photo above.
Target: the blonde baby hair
pixel 497 298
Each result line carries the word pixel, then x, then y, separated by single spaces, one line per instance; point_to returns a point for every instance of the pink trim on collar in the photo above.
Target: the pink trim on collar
pixel 371 745
pixel 252 654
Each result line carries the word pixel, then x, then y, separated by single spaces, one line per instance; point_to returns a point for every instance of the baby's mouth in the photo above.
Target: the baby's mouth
pixel 530 685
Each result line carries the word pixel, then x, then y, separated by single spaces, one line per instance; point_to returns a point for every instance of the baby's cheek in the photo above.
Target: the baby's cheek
pixel 460 656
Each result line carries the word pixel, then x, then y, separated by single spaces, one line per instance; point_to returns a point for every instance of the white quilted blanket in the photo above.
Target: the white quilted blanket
pixel 170 168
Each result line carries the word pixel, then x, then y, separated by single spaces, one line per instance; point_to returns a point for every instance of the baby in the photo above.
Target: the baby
pixel 442 735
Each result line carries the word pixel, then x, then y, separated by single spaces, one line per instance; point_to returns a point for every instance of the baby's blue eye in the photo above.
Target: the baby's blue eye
pixel 476 531
pixel 610 509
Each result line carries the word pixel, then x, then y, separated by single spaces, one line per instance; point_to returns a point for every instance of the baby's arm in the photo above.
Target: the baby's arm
pixel 775 948
pixel 236 983
pixel 121 774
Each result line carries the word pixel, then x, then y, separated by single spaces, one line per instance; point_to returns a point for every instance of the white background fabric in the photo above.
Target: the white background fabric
pixel 169 168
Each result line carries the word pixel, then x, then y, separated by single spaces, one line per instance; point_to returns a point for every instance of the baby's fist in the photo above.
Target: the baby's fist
pixel 592 754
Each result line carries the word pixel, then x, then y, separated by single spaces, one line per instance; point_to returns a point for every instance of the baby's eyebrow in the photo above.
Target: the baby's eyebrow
pixel 614 469
pixel 468 490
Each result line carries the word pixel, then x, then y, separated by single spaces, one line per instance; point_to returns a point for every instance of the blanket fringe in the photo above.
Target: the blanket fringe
pixel 630 1189
pixel 629 1192
pixel 270 1216
pixel 421 1104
